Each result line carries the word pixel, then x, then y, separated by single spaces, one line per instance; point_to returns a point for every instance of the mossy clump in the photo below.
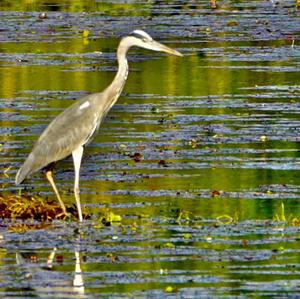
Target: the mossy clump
pixel 25 206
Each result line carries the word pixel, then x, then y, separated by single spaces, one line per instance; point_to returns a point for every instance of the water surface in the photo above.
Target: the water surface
pixel 199 156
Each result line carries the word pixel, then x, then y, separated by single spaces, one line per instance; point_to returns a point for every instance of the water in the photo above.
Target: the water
pixel 199 157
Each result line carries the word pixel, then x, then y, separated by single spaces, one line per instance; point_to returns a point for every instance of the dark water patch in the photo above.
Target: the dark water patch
pixel 229 22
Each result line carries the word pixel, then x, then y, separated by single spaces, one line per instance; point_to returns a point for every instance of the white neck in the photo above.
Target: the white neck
pixel 114 90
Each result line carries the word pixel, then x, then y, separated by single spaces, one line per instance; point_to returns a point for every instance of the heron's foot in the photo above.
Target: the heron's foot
pixel 64 216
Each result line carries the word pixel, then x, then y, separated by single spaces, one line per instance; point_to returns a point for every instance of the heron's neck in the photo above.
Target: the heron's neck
pixel 115 88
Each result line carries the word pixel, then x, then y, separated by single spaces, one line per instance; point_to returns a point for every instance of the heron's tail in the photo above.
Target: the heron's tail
pixel 21 175
pixel 24 171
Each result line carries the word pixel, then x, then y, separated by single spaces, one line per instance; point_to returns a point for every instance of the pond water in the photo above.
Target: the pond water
pixel 199 158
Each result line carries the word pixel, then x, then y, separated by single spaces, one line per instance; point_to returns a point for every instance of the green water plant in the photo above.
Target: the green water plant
pixel 282 217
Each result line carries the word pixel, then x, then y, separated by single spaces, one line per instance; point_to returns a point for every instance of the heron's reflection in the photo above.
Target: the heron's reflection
pixel 43 280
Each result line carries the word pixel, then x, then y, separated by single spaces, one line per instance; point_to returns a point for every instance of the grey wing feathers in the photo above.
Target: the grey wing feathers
pixel 70 129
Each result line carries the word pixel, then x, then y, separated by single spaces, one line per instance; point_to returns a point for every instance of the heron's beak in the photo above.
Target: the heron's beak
pixel 156 46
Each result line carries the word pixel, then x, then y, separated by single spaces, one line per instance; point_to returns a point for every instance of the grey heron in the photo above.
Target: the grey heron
pixel 74 128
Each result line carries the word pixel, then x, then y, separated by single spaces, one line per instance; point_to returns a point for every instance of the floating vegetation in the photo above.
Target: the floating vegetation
pixel 282 217
pixel 225 219
pixel 108 218
pixel 170 289
pixel 24 206
pixel 136 157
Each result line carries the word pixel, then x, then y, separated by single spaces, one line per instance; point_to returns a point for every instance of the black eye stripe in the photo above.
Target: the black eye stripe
pixel 134 34
pixel 137 35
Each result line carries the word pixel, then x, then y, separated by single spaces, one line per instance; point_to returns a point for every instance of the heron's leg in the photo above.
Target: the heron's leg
pixel 51 181
pixel 77 155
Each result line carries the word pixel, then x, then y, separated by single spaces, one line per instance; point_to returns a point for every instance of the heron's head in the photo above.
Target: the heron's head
pixel 142 39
